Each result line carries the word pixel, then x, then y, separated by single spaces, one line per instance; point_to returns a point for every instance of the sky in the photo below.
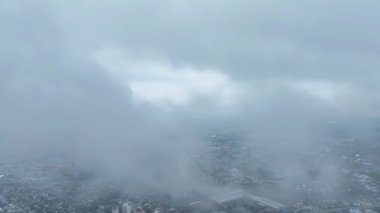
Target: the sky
pixel 324 49
pixel 117 81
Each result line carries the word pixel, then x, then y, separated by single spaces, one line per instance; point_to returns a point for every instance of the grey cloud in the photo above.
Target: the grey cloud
pixel 55 103
pixel 327 40
pixel 54 97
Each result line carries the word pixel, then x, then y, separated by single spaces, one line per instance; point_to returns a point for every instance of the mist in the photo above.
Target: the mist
pixel 138 93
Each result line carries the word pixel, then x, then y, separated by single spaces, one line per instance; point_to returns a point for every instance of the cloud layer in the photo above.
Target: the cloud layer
pixel 127 85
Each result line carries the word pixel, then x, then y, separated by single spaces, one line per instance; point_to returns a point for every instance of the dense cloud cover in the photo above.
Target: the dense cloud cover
pixel 126 85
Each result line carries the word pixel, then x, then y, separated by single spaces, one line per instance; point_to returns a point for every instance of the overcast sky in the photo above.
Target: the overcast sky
pixel 171 52
pixel 164 50
pixel 117 76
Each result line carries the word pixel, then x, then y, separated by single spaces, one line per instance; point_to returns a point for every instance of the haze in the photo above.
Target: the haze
pixel 135 89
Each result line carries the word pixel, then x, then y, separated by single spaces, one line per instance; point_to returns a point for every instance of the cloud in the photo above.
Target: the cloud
pixel 245 39
pixel 127 85
pixel 159 82
pixel 247 42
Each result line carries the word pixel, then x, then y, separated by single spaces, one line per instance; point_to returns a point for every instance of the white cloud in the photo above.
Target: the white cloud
pixel 324 90
pixel 164 84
